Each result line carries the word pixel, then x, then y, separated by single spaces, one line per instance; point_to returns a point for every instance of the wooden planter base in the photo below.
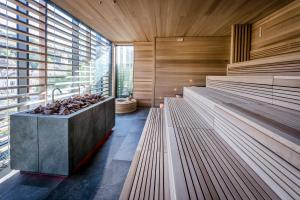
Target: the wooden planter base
pixel 123 105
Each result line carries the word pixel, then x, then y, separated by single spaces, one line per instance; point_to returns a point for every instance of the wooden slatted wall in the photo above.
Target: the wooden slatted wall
pixel 186 61
pixel 278 33
pixel 240 42
pixel 143 73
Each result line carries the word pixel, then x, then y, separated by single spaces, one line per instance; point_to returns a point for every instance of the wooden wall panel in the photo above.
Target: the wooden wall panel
pixel 143 73
pixel 240 42
pixel 278 33
pixel 187 62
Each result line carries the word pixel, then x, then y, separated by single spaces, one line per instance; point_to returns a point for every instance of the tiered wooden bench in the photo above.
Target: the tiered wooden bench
pixel 148 174
pixel 265 136
pixel 203 165
pixel 278 90
pixel 239 138
pixel 283 65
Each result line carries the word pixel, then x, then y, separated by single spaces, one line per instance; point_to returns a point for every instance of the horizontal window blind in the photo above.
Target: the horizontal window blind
pixel 42 48
pixel 74 52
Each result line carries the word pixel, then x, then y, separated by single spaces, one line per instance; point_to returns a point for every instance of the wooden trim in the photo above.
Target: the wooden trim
pixel 154 73
pixel 148 174
pixel 113 70
pixel 240 43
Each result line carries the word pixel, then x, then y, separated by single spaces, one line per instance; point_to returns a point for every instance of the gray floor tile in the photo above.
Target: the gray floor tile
pixel 116 173
pixel 128 147
pixel 111 192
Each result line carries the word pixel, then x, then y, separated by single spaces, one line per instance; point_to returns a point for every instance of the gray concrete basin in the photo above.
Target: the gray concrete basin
pixel 57 144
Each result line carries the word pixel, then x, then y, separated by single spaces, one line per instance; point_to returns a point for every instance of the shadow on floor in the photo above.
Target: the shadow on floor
pixel 102 178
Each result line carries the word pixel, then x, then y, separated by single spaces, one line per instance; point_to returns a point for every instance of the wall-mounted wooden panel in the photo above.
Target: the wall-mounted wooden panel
pixel 240 42
pixel 278 33
pixel 143 73
pixel 142 20
pixel 185 63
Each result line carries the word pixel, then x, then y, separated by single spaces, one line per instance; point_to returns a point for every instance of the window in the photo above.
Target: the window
pixel 77 55
pixel 42 48
pixel 124 71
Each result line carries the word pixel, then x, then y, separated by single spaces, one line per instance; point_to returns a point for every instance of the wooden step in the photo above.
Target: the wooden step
pixel 148 174
pixel 264 136
pixel 278 90
pixel 286 64
pixel 202 164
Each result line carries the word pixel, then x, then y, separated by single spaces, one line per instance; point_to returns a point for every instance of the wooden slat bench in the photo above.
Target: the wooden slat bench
pixel 208 145
pixel 265 136
pixel 148 174
pixel 283 65
pixel 206 166
pixel 278 90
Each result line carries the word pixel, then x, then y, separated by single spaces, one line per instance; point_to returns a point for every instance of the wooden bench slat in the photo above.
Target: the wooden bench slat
pixel 254 147
pixel 211 165
pixel 242 170
pixel 279 178
pixel 207 158
pixel 146 178
pixel 278 90
pixel 205 183
pixel 287 64
pixel 197 148
pixel 188 117
pixel 136 186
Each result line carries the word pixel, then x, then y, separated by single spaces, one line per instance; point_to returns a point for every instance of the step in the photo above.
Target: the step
pixel 278 90
pixel 202 164
pixel 286 64
pixel 148 174
pixel 265 136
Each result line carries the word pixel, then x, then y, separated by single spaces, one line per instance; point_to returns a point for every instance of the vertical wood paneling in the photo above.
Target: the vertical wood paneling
pixel 143 73
pixel 187 62
pixel 278 33
pixel 240 42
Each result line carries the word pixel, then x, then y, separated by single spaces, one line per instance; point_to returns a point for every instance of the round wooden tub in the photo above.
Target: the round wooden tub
pixel 124 105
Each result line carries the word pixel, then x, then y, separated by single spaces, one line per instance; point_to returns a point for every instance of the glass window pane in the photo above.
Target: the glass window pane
pixel 124 69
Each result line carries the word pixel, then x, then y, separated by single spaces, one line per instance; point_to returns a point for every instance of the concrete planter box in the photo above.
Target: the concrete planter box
pixel 57 144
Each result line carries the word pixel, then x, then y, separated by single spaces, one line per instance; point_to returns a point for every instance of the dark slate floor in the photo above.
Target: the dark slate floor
pixel 102 178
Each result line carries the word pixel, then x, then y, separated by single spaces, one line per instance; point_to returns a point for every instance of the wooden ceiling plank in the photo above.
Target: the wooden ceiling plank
pixel 142 20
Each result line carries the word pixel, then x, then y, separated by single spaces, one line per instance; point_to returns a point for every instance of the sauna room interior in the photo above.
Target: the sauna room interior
pixel 149 99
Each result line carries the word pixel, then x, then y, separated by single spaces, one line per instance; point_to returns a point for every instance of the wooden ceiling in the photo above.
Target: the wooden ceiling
pixel 142 20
